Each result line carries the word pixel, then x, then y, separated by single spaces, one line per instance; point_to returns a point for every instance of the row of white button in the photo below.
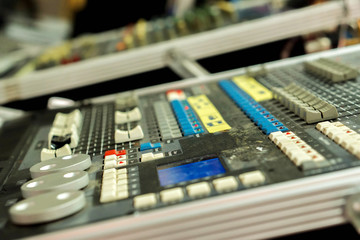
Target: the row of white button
pixel 114 185
pixel 342 135
pixel 296 149
pixel 125 117
pixel 201 189
pixel 122 136
pixel 113 161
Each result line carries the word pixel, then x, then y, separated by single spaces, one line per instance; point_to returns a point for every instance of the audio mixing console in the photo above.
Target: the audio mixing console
pixel 252 153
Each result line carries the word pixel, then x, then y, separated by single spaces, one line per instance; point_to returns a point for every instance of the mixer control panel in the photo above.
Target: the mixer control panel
pixel 143 153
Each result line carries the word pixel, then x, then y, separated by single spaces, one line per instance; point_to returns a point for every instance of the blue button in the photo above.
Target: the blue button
pixel 149 145
pixel 188 132
pixel 264 113
pixel 156 145
pixel 145 146
pixel 282 128
pixel 269 129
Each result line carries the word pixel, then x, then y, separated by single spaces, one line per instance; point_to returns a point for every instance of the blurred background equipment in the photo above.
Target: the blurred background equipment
pixel 132 41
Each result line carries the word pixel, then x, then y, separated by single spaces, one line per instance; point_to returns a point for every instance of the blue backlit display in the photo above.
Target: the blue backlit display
pixel 172 175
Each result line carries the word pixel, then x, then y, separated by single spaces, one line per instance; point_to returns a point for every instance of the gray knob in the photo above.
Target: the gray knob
pixel 47 207
pixel 60 164
pixel 66 181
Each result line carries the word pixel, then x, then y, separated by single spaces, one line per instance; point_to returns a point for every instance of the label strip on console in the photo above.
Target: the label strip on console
pixel 252 87
pixel 209 115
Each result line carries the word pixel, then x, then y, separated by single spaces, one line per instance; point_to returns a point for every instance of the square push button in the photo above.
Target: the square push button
pixel 145 201
pixel 200 189
pixel 252 178
pixel 172 195
pixel 225 184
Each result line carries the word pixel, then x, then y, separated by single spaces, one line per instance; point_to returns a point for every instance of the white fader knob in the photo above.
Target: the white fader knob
pixel 130 116
pixel 63 151
pixel 47 207
pixel 121 136
pixel 136 133
pixel 120 117
pixel 66 181
pixel 134 115
pixel 66 163
pixel 47 154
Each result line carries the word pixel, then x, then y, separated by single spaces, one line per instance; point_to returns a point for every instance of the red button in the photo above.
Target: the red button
pixel 117 153
pixel 121 152
pixel 177 91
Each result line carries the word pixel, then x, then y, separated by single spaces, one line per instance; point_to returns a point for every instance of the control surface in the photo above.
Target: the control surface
pixel 245 149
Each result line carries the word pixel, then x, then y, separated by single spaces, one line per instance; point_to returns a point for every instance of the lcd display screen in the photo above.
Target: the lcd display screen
pixel 169 174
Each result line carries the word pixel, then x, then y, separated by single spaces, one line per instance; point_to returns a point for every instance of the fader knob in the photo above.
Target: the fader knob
pixel 66 163
pixel 47 207
pixel 66 181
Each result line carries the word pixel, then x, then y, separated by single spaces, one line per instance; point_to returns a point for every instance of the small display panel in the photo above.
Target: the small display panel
pixel 170 174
